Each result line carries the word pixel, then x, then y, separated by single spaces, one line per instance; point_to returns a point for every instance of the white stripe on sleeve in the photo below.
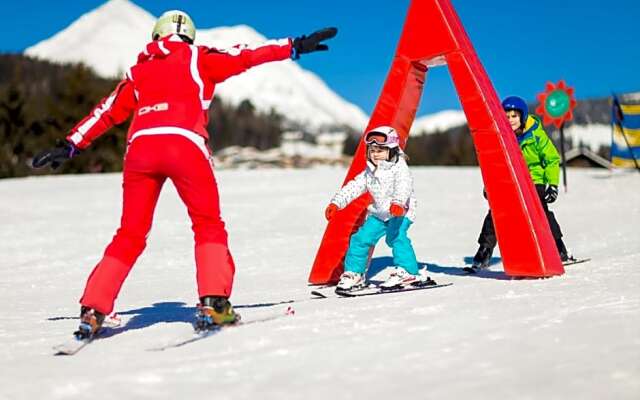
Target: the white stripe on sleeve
pixel 195 75
pixel 97 113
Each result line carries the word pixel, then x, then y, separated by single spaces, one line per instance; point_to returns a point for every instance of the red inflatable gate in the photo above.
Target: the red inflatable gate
pixel 433 35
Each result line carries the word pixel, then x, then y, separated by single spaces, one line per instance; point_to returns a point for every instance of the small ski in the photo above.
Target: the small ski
pixel 575 261
pixel 375 290
pixel 72 346
pixel 472 270
pixel 75 344
pixel 199 335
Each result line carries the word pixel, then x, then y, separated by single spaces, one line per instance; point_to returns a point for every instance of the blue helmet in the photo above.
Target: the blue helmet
pixel 518 104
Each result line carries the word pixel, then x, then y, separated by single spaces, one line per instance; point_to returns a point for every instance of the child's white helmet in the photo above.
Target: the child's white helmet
pixel 391 137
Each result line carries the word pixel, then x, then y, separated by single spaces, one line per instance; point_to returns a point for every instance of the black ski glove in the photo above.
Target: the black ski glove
pixel 62 152
pixel 551 194
pixel 307 44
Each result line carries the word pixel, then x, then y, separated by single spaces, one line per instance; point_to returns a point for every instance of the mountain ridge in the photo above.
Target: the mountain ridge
pixel 297 94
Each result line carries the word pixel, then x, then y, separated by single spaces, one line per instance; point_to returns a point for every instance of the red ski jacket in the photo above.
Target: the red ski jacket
pixel 170 89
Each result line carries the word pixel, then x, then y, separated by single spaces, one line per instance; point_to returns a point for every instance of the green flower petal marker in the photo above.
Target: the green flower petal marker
pixel 557 103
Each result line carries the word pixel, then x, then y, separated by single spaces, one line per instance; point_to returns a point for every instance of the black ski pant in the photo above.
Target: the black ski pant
pixel 488 238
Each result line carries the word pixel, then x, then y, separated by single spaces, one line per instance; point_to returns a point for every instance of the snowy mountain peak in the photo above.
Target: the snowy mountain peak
pixel 109 38
pixel 438 122
pixel 121 8
pixel 92 38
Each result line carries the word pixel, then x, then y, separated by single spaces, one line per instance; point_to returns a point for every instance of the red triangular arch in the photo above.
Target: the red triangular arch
pixel 433 35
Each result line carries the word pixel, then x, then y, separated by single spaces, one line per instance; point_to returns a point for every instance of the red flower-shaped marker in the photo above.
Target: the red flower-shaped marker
pixel 556 104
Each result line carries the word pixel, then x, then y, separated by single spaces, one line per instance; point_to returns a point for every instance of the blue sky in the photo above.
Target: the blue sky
pixel 522 44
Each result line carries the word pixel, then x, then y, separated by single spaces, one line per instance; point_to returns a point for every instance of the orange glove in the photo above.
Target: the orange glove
pixel 396 210
pixel 331 210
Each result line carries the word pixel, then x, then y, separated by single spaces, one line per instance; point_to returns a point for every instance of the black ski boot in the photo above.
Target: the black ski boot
pixel 482 258
pixel 564 254
pixel 90 323
pixel 213 312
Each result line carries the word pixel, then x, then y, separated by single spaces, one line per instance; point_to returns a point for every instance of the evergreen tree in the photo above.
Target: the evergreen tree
pixel 40 102
pixel 13 127
pixel 243 126
pixel 71 102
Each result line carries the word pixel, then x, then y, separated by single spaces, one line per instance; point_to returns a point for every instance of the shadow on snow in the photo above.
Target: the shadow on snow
pixel 175 311
pixel 165 312
pixel 378 264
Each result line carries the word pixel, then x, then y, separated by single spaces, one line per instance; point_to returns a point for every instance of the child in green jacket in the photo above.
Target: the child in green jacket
pixel 543 162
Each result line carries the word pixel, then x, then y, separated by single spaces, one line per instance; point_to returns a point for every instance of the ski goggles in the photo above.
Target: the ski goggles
pixel 382 139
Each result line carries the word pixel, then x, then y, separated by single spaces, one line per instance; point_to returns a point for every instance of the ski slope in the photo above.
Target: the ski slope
pixel 486 337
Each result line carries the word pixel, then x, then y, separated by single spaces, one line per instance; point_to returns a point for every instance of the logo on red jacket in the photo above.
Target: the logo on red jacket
pixel 156 107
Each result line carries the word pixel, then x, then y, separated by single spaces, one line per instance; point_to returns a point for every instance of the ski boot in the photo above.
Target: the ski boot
pixel 90 323
pixel 213 312
pixel 423 278
pixel 350 281
pixel 482 259
pixel 565 256
pixel 398 279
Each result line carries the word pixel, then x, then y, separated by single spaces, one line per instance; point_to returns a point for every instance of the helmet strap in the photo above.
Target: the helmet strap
pixel 394 154
pixel 186 38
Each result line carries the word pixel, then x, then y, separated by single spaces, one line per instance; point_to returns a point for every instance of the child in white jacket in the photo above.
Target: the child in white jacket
pixel 388 180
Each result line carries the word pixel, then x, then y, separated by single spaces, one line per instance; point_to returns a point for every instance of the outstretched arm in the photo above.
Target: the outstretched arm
pixel 221 64
pixel 351 191
pixel 111 110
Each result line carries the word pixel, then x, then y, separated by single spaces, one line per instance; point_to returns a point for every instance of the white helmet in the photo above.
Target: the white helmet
pixel 391 138
pixel 174 21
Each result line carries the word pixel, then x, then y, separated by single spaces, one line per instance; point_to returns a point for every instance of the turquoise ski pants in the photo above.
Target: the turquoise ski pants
pixel 368 235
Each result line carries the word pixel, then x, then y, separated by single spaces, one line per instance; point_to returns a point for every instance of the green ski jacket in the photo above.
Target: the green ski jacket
pixel 539 153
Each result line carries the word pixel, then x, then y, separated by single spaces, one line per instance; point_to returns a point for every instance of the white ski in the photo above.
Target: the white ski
pixel 75 344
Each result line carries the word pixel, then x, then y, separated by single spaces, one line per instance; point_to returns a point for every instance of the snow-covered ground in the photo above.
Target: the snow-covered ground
pixel 486 337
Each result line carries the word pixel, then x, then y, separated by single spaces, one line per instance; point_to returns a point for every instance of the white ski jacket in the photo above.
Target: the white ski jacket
pixel 388 183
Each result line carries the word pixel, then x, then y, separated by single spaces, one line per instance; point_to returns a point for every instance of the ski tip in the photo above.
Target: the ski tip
pixel 57 351
pixel 318 294
pixel 575 261
pixel 67 349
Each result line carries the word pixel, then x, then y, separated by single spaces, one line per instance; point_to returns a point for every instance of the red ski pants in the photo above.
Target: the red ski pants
pixel 150 160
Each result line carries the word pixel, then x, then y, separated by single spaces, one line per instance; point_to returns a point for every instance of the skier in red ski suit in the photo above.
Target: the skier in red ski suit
pixel 169 92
